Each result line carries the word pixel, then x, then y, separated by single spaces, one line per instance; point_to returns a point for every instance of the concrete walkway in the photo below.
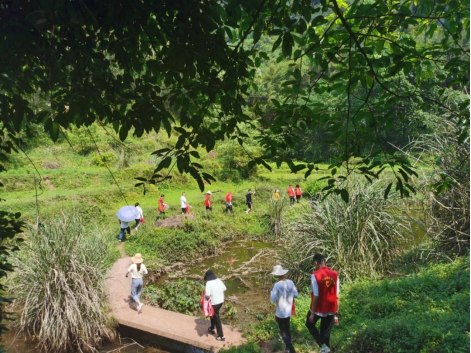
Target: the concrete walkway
pixel 179 327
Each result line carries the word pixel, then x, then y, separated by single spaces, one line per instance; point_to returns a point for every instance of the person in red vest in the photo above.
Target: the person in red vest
pixel 161 207
pixel 291 195
pixel 228 202
pixel 324 302
pixel 298 193
pixel 207 202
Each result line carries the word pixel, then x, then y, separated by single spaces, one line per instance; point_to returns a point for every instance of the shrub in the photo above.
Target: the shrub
pixel 58 284
pixel 182 296
pixel 360 237
pixel 100 159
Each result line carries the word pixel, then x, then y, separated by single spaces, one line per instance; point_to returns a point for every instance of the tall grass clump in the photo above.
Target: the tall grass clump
pixel 359 238
pixel 276 216
pixel 58 286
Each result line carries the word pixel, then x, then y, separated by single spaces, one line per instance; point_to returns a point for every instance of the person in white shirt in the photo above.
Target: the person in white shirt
pixel 214 290
pixel 283 293
pixel 183 202
pixel 137 270
pixel 124 228
pixel 140 216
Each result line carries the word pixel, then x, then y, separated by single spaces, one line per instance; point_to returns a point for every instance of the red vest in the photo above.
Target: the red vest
pixel 207 201
pixel 290 191
pixel 161 205
pixel 229 197
pixel 298 191
pixel 327 284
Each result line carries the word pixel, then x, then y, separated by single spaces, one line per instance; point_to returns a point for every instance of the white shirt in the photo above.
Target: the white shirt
pixel 282 294
pixel 124 225
pixel 315 291
pixel 183 201
pixel 141 214
pixel 135 273
pixel 215 289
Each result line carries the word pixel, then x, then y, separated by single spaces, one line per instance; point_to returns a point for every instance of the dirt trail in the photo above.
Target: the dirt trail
pixel 183 328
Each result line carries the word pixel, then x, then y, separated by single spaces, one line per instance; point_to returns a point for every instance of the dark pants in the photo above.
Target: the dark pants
pixel 121 234
pixel 216 320
pixel 138 221
pixel 161 214
pixel 322 337
pixel 209 208
pixel 228 208
pixel 283 324
pixel 298 197
pixel 291 200
pixel 183 210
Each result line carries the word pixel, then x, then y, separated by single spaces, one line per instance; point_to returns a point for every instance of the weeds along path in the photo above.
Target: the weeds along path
pixel 175 326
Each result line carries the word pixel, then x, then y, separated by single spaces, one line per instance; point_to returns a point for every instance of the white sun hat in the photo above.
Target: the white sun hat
pixel 279 271
pixel 209 192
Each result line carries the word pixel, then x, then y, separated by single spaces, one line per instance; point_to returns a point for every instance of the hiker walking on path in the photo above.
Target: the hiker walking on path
pixel 208 204
pixel 162 207
pixel 215 289
pixel 291 195
pixel 283 293
pixel 248 198
pixel 184 205
pixel 298 193
pixel 324 302
pixel 124 228
pixel 137 270
pixel 140 217
pixel 228 202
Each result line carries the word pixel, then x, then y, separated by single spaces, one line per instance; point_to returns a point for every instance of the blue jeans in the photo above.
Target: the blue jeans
pixel 121 234
pixel 136 289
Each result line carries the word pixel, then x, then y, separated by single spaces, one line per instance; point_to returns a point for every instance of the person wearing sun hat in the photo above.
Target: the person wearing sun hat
pixel 208 204
pixel 283 293
pixel 214 290
pixel 137 270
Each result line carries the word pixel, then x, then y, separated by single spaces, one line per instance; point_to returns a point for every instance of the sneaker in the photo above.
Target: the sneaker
pixel 221 338
pixel 139 309
pixel 324 349
pixel 120 240
pixel 211 330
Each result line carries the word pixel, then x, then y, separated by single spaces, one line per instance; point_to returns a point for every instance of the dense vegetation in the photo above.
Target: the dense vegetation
pixel 180 93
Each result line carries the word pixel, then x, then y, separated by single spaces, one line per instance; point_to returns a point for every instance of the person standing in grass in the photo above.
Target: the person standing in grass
pixel 161 207
pixel 228 202
pixel 137 270
pixel 208 204
pixel 276 195
pixel 184 205
pixel 248 199
pixel 140 216
pixel 291 195
pixel 124 228
pixel 298 193
pixel 283 293
pixel 215 289
pixel 324 302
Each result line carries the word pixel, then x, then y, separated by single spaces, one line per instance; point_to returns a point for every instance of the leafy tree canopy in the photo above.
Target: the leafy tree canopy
pixel 190 67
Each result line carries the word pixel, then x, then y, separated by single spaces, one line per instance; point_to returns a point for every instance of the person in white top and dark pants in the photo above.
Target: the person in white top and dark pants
pixel 283 293
pixel 141 216
pixel 215 289
pixel 137 270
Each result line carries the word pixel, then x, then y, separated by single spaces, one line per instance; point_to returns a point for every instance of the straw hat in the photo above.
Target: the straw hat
pixel 137 259
pixel 209 192
pixel 279 271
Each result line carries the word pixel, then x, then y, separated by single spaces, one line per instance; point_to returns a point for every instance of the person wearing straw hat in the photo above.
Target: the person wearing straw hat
pixel 137 270
pixel 283 293
pixel 208 204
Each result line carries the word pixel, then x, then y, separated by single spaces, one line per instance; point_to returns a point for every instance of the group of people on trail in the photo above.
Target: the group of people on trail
pixel 324 300
pixel 324 303
pixel 294 194
pixel 125 227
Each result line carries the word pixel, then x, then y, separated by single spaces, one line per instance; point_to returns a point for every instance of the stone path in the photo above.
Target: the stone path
pixel 179 327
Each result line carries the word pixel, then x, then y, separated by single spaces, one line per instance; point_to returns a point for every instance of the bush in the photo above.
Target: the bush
pixel 58 284
pixel 426 312
pixel 100 159
pixel 182 296
pixel 361 237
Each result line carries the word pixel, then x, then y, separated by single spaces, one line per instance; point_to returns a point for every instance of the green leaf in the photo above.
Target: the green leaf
pixel 386 192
